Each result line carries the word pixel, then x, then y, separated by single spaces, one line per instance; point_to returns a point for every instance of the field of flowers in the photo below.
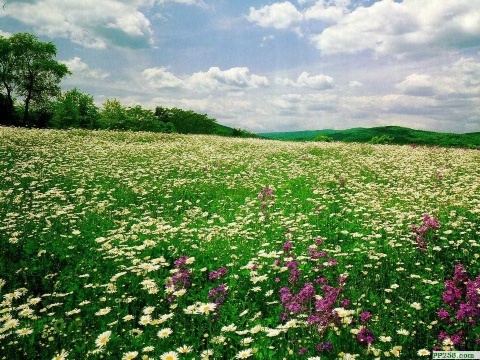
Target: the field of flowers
pixel 154 246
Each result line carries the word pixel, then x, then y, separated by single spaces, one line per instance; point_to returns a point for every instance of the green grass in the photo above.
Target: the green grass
pixel 401 136
pixel 127 237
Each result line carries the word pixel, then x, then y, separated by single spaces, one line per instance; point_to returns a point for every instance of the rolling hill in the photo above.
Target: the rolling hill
pixel 400 135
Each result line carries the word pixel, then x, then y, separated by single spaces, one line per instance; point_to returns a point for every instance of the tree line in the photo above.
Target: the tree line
pixel 31 96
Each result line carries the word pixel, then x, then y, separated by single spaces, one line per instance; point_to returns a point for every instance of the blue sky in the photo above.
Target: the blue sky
pixel 272 65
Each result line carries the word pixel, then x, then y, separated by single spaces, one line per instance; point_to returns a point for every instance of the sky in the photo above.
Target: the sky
pixel 267 66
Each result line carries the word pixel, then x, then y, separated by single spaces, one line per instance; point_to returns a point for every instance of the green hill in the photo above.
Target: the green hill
pixel 396 135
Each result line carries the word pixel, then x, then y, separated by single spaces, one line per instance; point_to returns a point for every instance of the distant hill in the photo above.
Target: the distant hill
pixel 223 130
pixel 392 135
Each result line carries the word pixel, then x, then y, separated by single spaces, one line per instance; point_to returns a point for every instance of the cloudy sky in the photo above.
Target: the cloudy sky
pixel 272 66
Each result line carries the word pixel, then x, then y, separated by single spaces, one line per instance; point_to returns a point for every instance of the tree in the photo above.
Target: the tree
pixel 384 139
pixel 29 69
pixel 75 110
pixel 323 138
pixel 113 116
pixel 190 122
pixel 6 81
pixel 117 117
pixel 145 120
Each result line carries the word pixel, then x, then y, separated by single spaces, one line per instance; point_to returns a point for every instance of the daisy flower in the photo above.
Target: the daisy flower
pixel 184 349
pixel 206 308
pixel 62 356
pixel 244 354
pixel 423 352
pixel 103 311
pixel 228 328
pixel 205 355
pixel 171 355
pixel 130 355
pixel 128 317
pixel 416 305
pixel 102 339
pixel 164 333
pixel 24 331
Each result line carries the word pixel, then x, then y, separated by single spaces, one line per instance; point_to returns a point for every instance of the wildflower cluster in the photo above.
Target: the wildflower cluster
pixel 180 281
pixel 267 200
pixel 165 246
pixel 461 316
pixel 425 231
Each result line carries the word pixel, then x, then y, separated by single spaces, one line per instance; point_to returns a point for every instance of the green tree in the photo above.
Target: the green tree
pixel 190 122
pixel 145 120
pixel 29 70
pixel 75 109
pixel 323 138
pixel 384 139
pixel 113 115
pixel 6 81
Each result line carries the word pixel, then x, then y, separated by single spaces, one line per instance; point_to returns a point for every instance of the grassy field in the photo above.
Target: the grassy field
pixel 399 135
pixel 153 246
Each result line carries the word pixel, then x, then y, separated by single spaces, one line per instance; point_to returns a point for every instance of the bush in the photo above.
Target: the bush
pixel 384 139
pixel 323 138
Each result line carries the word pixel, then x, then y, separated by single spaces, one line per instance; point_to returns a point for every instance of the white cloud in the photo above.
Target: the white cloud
pixel 418 85
pixel 460 79
pixel 81 69
pixel 318 82
pixel 354 84
pixel 402 28
pixel 91 23
pixel 5 34
pixel 237 77
pixel 159 77
pixel 213 79
pixel 278 15
pixel 327 10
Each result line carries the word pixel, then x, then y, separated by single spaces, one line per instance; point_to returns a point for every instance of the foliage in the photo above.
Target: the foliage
pixel 383 139
pixel 115 116
pixel 29 70
pixel 187 121
pixel 75 109
pixel 323 138
pixel 399 135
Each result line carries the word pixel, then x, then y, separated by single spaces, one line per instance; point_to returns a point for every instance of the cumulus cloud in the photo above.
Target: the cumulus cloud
pixel 327 10
pixel 386 27
pixel 90 23
pixel 159 77
pixel 418 85
pixel 236 78
pixel 81 69
pixel 460 79
pixel 318 82
pixel 403 28
pixel 278 15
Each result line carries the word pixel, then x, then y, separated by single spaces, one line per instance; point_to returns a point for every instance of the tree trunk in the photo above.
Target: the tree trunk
pixel 25 114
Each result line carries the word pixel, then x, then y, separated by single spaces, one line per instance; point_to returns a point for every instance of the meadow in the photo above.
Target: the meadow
pixel 121 245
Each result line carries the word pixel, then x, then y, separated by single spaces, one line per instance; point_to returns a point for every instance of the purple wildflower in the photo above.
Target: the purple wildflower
pixel 365 336
pixel 444 314
pixel 460 273
pixel 365 316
